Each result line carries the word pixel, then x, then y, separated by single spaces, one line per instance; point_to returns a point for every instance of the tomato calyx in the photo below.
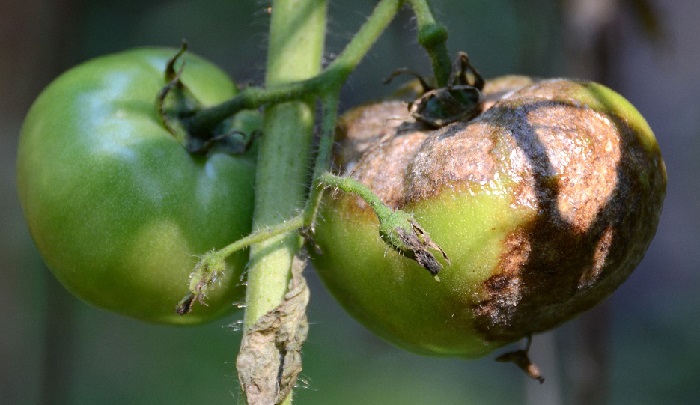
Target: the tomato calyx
pixel 175 103
pixel 176 106
pixel 460 100
pixel 401 232
pixel 206 274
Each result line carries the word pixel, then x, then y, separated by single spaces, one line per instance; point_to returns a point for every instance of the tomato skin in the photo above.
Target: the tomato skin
pixel 117 208
pixel 544 204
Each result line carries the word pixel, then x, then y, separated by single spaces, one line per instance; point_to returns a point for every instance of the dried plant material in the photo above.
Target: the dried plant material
pixel 269 360
pixel 521 358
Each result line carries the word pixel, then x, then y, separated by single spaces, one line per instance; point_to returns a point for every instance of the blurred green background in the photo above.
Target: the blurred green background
pixel 640 347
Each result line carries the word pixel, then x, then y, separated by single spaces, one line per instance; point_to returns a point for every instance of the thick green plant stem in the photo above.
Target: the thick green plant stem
pixel 297 31
pixel 295 49
pixel 293 83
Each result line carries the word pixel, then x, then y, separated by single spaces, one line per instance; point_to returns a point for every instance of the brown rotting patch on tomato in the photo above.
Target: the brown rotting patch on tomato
pixel 582 174
pixel 361 127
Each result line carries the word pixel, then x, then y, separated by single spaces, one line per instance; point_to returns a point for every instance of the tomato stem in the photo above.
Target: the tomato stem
pixel 327 81
pixel 324 156
pixel 212 264
pixel 398 229
pixel 297 30
pixel 433 37
pixel 293 83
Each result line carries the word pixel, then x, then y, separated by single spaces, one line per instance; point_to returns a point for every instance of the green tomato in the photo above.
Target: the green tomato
pixel 544 204
pixel 118 209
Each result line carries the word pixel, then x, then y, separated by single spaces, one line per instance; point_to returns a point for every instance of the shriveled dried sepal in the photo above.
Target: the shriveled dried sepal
pixel 521 358
pixel 403 234
pixel 206 274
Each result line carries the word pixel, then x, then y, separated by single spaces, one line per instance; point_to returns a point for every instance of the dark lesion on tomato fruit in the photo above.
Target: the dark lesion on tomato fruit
pixel 590 230
pixel 460 100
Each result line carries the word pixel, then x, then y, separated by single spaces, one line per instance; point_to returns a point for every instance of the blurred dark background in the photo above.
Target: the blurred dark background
pixel 640 347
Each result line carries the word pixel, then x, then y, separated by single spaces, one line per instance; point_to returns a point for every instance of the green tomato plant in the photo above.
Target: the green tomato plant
pixel 494 211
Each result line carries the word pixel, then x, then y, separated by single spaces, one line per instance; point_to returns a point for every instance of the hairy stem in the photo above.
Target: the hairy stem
pixel 324 156
pixel 292 84
pixel 296 44
pixel 433 37
pixel 350 185
pixel 398 229
pixel 296 39
pixel 329 80
pixel 261 235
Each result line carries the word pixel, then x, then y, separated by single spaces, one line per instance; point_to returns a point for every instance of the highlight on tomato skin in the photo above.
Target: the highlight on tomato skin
pixel 118 209
pixel 544 203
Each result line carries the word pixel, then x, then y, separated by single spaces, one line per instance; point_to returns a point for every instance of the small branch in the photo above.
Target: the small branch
pixel 213 264
pixel 433 37
pixel 398 229
pixel 249 98
pixel 330 79
pixel 323 157
pixel 360 44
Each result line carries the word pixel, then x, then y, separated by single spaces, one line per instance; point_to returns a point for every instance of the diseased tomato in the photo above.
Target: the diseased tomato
pixel 118 209
pixel 544 204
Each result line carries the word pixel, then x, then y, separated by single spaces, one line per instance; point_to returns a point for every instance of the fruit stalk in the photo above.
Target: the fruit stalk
pixel 433 37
